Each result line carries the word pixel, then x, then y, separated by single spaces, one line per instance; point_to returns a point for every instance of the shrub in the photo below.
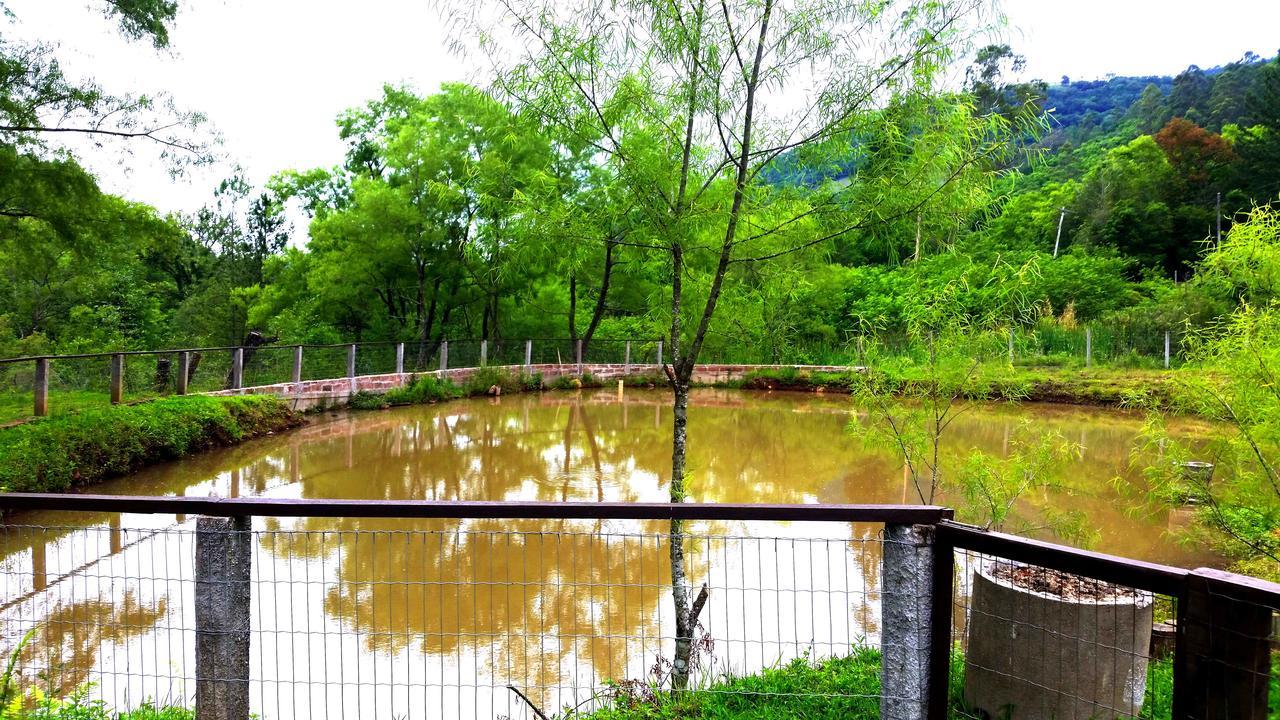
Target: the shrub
pixel 58 453
pixel 485 378
pixel 425 389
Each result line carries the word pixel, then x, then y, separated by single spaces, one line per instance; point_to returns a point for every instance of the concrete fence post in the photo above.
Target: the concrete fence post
pixel 626 362
pixel 237 368
pixel 1166 349
pixel 528 353
pixel 659 354
pixel 117 379
pixel 224 553
pixel 577 354
pixel 297 364
pixel 1088 347
pixel 484 353
pixel 906 603
pixel 184 373
pixel 444 355
pixel 399 358
pixel 41 389
pixel 351 366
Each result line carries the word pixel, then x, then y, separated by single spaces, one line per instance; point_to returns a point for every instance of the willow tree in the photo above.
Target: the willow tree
pixel 739 128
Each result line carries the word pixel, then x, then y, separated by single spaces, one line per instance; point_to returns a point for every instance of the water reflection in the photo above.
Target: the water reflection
pixel 373 616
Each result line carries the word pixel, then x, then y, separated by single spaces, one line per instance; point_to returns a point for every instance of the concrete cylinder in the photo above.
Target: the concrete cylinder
pixel 1036 656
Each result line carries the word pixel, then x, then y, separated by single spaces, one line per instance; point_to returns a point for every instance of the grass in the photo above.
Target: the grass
pixel 78 708
pixel 846 688
pixel 58 453
pixel 843 688
pixel 1095 386
pixel 18 406
pixel 430 389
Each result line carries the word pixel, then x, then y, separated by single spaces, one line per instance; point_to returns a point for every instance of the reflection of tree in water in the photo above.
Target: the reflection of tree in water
pixel 527 601
pixel 67 643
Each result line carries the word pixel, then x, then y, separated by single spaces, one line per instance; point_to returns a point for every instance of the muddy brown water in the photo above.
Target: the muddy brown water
pixel 357 617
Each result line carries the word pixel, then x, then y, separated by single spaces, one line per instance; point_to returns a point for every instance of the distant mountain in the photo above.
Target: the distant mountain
pixel 1070 102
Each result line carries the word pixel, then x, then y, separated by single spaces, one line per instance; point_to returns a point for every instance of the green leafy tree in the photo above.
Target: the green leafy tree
pixel 686 100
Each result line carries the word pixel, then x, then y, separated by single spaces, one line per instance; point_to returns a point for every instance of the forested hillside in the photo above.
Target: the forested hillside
pixel 458 214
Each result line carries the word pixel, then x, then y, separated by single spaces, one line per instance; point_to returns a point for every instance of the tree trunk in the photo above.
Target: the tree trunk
pixel 598 313
pixel 679 577
pixel 573 306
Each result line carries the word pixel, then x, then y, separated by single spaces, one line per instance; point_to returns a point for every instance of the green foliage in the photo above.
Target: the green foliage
pixel 992 485
pixel 59 453
pixel 843 687
pixel 951 365
pixel 846 687
pixel 1239 385
pixel 484 379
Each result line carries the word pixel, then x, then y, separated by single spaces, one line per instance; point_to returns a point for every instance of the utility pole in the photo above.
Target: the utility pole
pixel 1062 215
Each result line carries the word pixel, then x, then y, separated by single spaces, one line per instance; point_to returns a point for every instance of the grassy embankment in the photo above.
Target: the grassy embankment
pixel 1101 387
pixel 59 453
pixel 843 688
pixel 840 688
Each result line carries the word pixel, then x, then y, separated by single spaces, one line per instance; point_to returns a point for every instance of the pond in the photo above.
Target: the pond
pixel 362 617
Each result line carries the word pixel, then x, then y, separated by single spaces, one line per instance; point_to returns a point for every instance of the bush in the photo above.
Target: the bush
pixel 426 389
pixel 485 378
pixel 58 453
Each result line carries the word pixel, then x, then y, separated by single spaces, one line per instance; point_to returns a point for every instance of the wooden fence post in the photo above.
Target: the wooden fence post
pixel 42 387
pixel 224 555
pixel 237 368
pixel 117 379
pixel 1222 657
pixel 184 370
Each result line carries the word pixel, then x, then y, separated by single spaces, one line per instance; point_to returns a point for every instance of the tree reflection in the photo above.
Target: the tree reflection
pixel 67 643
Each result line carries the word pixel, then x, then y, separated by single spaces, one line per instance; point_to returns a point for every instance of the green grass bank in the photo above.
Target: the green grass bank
pixel 59 453
pixel 1096 387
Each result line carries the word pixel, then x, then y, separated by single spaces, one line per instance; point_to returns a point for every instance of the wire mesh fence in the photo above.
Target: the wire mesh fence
pixel 1030 641
pixel 508 615
pixel 413 618
pixel 74 382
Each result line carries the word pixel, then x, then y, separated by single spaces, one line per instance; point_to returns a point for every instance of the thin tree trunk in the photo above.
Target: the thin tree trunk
pixel 686 618
pixel 598 313
pixel 573 306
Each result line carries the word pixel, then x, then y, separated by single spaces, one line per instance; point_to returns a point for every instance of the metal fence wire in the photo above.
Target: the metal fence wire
pixel 1030 641
pixel 487 618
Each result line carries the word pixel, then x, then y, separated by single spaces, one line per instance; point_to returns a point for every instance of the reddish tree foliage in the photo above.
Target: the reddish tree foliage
pixel 1195 153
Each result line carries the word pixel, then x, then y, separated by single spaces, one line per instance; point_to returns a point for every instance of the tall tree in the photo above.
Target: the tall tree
pixel 38 102
pixel 714 93
pixel 1260 147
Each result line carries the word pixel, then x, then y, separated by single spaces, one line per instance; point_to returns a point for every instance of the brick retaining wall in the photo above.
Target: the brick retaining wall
pixel 310 394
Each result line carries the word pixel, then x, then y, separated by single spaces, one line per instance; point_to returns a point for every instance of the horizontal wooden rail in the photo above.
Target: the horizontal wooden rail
pixel 1151 577
pixel 291 507
pixel 313 346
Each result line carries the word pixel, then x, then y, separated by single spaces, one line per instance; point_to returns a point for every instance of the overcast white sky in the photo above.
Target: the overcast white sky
pixel 273 74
